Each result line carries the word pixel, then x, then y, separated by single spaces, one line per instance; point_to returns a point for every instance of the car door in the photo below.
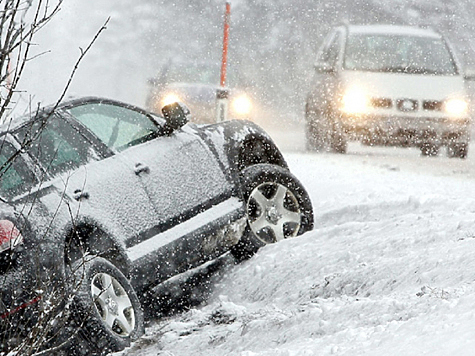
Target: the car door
pixel 181 175
pixel 178 171
pixel 94 186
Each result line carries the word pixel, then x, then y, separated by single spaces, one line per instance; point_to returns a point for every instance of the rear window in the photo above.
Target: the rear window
pixel 56 145
pixel 399 54
pixel 15 177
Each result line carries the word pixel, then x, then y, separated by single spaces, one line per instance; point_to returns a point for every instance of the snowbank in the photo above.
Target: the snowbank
pixel 388 270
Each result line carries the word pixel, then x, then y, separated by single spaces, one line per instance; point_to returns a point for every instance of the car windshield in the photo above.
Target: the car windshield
pixel 398 54
pixel 201 72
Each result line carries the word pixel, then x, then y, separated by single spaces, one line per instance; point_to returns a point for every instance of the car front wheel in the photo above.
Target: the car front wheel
pixel 324 133
pixel 458 150
pixel 105 307
pixel 277 207
pixel 429 149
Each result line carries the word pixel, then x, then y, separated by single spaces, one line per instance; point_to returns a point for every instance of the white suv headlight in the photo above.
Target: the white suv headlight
pixel 355 101
pixel 456 107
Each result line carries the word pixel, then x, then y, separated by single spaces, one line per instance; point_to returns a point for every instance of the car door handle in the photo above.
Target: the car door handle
pixel 80 195
pixel 141 168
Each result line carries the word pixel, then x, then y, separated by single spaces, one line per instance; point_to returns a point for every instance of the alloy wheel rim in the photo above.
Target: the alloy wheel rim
pixel 273 212
pixel 113 304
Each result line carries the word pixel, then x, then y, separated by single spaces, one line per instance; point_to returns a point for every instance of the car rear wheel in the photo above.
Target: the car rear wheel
pixel 105 307
pixel 458 150
pixel 429 149
pixel 277 207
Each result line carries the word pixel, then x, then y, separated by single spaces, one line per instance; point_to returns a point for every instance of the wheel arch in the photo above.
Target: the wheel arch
pixel 242 144
pixel 90 236
pixel 256 148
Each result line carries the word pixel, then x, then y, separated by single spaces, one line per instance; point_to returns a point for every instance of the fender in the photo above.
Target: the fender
pixel 245 144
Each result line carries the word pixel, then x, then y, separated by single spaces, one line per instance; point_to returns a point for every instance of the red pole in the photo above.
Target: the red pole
pixel 224 63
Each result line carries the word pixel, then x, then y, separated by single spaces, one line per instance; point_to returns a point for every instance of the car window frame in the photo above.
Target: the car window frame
pixel 47 174
pixel 30 164
pixel 107 151
pixel 453 55
pixel 335 43
pixel 335 37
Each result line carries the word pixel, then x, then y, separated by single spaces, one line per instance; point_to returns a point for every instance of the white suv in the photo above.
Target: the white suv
pixel 389 85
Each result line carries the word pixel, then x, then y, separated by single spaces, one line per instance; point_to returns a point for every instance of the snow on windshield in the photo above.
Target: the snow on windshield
pixel 398 53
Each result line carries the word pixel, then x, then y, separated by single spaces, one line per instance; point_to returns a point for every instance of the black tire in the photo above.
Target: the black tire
pixel 278 207
pixel 105 307
pixel 457 150
pixel 429 149
pixel 315 134
pixel 333 135
pixel 339 143
pixel 311 140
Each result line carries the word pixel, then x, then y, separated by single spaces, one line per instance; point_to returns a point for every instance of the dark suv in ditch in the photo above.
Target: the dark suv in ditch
pixel 101 201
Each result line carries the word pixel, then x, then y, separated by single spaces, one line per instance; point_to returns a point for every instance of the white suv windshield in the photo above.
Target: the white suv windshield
pixel 398 54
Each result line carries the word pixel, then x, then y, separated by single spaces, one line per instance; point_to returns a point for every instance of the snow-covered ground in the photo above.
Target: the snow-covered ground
pixel 388 270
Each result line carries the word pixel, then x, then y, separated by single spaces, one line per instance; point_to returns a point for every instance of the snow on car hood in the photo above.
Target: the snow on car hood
pixel 400 85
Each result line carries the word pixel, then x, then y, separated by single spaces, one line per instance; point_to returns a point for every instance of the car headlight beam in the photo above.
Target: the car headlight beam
pixel 456 107
pixel 242 105
pixel 355 101
pixel 170 98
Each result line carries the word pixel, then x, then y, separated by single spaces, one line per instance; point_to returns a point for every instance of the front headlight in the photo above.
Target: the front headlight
pixel 170 98
pixel 456 107
pixel 354 101
pixel 242 105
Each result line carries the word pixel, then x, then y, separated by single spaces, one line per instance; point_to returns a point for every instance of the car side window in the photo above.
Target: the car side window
pixel 55 144
pixel 116 126
pixel 15 177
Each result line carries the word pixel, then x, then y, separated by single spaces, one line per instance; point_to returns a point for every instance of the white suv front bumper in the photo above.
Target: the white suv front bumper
pixel 412 131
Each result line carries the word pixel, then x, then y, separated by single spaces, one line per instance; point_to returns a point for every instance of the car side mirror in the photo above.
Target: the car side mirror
pixel 176 116
pixel 323 67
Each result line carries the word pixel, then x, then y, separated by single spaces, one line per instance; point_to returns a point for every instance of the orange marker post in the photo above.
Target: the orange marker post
pixel 222 93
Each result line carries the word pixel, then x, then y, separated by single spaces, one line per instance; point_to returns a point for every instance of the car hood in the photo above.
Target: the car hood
pixel 400 85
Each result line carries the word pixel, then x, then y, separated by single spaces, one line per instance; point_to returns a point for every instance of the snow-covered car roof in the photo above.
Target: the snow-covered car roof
pixel 393 30
pixel 14 122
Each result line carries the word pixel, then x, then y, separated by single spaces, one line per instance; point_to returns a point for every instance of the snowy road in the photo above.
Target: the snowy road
pixel 388 270
pixel 398 158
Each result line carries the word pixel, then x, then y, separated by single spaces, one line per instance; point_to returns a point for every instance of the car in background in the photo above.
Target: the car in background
pixel 387 85
pixel 196 85
pixel 101 201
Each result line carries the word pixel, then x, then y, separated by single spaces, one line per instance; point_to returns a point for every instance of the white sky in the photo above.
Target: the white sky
pixel 112 68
